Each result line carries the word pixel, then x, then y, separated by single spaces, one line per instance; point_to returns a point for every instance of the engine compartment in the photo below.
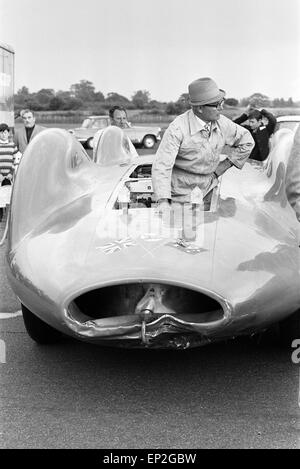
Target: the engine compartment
pixel 137 191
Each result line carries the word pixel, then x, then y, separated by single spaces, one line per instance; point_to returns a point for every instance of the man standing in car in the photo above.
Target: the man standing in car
pixel 189 154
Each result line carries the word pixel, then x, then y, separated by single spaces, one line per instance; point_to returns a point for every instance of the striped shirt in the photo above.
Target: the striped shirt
pixel 8 154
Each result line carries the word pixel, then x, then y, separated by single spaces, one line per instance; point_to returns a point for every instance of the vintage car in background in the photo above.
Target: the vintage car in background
pixel 139 135
pixel 287 122
pixel 90 256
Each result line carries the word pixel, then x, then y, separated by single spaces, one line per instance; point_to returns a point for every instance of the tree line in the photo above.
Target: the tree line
pixel 83 96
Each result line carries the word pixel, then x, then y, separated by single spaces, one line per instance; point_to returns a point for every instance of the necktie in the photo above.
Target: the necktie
pixel 206 130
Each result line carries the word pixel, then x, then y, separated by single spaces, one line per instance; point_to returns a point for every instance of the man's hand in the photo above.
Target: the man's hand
pixel 249 109
pixel 164 207
pixel 222 167
pixel 163 204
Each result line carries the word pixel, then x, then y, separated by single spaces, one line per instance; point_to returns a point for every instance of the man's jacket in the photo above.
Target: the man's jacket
pixel 20 137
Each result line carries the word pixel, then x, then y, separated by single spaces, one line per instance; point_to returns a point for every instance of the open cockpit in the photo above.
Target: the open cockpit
pixel 136 191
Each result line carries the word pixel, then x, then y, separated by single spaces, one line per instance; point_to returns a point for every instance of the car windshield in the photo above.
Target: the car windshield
pixel 86 123
pixel 92 123
pixel 99 123
pixel 288 124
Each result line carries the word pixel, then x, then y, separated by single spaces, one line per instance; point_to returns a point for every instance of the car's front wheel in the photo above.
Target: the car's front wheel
pixel 38 330
pixel 149 141
pixel 90 143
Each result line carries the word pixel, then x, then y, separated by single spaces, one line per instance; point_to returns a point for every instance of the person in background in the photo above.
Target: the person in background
pixel 188 158
pixel 8 158
pixel 118 118
pixel 25 134
pixel 293 175
pixel 260 131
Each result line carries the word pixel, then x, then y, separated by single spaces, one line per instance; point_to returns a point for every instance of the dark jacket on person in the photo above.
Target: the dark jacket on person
pixel 20 137
pixel 261 135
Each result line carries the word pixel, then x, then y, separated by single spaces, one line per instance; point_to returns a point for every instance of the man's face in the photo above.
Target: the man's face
pixel 28 119
pixel 4 135
pixel 119 119
pixel 209 112
pixel 254 124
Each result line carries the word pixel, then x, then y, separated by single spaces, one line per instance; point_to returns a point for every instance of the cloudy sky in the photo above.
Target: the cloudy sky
pixel 122 46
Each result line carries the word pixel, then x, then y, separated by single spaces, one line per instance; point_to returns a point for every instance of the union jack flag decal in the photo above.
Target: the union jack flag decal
pixel 117 245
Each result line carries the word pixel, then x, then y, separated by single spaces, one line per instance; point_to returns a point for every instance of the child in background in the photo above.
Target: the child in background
pixel 261 125
pixel 9 158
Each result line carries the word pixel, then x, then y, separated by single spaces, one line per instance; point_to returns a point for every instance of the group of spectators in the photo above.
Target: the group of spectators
pixel 189 154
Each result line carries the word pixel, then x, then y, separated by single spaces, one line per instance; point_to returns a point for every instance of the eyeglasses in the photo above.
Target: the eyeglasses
pixel 217 105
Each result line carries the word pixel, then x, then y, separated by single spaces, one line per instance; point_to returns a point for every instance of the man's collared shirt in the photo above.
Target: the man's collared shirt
pixel 190 152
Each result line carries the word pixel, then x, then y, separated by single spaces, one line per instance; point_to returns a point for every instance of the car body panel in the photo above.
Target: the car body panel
pixel 288 122
pixel 77 239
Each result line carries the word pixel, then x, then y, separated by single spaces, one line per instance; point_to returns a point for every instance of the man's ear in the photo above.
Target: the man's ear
pixel 199 109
